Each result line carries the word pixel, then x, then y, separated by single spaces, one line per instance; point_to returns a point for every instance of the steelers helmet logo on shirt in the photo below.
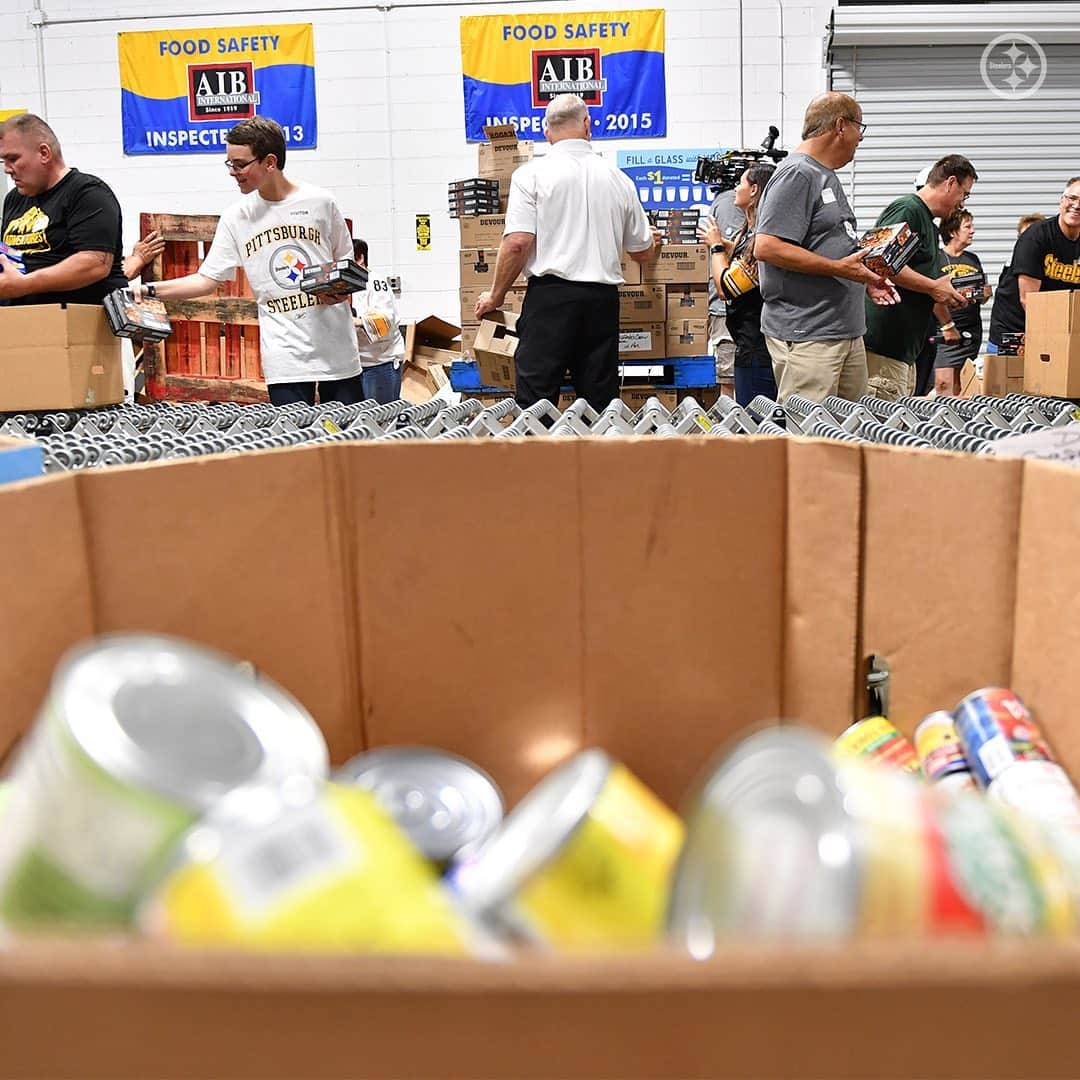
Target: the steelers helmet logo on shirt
pixel 287 266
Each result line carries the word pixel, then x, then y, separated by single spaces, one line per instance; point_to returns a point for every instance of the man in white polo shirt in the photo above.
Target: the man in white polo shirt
pixel 570 216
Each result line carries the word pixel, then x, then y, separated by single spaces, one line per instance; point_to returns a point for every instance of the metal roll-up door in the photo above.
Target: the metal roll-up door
pixel 922 101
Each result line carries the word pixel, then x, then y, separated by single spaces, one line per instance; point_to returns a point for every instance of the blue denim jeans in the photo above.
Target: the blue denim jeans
pixel 382 382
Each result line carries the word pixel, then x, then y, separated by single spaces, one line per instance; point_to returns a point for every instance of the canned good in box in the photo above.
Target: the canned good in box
pixel 138 737
pixel 583 861
pixel 784 841
pixel 305 866
pixel 1011 758
pixel 874 739
pixel 997 731
pixel 448 807
pixel 941 754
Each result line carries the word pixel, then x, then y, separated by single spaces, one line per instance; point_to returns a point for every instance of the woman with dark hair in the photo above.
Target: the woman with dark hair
pixel 957 233
pixel 735 274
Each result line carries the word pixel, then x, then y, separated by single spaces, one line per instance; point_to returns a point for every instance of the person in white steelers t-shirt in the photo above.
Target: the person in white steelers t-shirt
pixel 272 233
pixel 378 334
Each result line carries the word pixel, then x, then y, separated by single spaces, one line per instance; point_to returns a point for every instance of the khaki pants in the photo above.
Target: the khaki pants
pixel 819 369
pixel 889 379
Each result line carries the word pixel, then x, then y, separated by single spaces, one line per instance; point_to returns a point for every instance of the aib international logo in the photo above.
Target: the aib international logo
pixel 1013 66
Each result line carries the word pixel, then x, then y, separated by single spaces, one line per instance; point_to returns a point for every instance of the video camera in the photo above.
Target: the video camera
pixel 722 171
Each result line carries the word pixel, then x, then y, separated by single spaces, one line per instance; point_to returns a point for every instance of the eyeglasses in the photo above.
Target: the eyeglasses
pixel 967 195
pixel 239 166
pixel 1072 200
pixel 858 123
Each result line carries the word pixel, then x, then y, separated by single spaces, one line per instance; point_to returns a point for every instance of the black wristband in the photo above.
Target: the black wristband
pixel 149 289
pixel 716 249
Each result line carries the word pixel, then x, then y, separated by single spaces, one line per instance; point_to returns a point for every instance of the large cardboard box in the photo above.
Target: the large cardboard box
pixel 482 231
pixel 58 356
pixel 641 303
pixel 494 348
pixel 687 302
pixel 631 271
pixel 687 337
pixel 502 153
pixel 1052 344
pixel 477 266
pixel 677 264
pixel 519 687
pixel 642 341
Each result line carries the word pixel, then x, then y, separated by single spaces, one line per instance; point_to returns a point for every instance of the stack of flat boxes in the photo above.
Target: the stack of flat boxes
pixel 481 234
pixel 664 305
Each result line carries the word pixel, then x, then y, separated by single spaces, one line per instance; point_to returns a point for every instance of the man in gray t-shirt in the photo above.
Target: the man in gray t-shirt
pixel 813 280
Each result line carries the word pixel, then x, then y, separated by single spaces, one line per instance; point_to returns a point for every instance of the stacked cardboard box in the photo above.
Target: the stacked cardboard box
pixel 481 234
pixel 664 307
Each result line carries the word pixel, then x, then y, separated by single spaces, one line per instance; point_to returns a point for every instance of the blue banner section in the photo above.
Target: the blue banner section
pixel 665 178
pixel 634 104
pixel 154 126
pixel 182 90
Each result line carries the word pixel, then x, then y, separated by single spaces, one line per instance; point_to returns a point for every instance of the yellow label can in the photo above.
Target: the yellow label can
pixel 585 861
pixel 321 869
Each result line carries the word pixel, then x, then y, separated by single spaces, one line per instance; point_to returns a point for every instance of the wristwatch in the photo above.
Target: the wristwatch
pixel 149 289
pixel 716 249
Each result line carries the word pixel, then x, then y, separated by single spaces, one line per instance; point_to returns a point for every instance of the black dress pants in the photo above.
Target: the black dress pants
pixel 568 326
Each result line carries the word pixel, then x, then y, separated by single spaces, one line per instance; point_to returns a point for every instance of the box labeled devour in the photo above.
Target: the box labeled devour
pixel 58 356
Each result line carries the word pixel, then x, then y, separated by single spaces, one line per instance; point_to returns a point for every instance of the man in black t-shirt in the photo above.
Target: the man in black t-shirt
pixel 65 224
pixel 1046 257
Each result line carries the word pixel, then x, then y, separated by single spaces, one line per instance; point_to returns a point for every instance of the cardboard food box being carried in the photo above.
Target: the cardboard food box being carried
pixel 1052 343
pixel 641 304
pixel 477 266
pixel 643 341
pixel 826 581
pixel 687 337
pixel 494 348
pixel 677 264
pixel 58 356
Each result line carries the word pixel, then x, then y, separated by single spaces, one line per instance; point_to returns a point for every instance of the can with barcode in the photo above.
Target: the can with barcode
pixel 448 807
pixel 941 754
pixel 997 730
pixel 139 736
pixel 305 866
pixel 874 739
pixel 584 861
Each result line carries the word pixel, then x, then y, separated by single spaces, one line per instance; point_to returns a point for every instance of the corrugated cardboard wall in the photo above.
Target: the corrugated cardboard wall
pixel 515 603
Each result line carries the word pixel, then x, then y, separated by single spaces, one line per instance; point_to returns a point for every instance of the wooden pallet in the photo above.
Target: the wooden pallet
pixel 213 353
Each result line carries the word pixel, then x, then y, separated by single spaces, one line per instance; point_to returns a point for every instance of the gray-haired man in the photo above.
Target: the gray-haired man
pixel 570 216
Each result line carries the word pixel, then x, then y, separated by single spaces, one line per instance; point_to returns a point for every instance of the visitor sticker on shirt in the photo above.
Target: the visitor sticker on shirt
pixel 828 195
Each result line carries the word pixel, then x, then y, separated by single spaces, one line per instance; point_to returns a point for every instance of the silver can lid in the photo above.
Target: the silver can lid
pixel 770 849
pixel 179 720
pixel 533 832
pixel 448 806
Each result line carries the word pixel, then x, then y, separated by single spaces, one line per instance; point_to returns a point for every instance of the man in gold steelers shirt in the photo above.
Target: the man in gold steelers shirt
pixel 65 224
pixel 1046 256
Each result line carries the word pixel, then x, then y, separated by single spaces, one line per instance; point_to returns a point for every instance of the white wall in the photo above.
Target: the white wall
pixel 390 108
